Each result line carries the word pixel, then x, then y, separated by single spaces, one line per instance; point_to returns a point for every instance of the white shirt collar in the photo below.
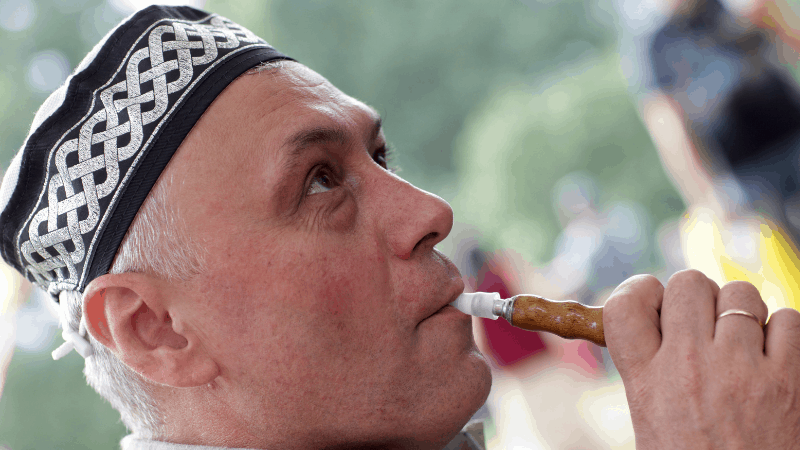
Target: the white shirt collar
pixel 462 441
pixel 133 443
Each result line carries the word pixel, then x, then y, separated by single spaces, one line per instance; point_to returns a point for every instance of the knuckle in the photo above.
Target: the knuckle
pixel 632 288
pixel 740 288
pixel 740 284
pixel 787 321
pixel 649 282
pixel 631 296
pixel 741 294
pixel 691 276
pixel 614 306
pixel 789 317
pixel 618 300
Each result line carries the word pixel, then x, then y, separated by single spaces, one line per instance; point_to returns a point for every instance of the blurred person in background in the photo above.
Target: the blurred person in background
pixel 560 385
pixel 506 345
pixel 304 305
pixel 726 122
pixel 538 379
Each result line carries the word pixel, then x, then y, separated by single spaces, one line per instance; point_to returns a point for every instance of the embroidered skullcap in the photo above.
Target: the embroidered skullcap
pixel 99 143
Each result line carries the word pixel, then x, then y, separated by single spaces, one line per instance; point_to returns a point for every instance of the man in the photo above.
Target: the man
pixel 279 287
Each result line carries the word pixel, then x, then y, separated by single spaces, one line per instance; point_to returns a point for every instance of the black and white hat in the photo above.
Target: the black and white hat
pixel 99 143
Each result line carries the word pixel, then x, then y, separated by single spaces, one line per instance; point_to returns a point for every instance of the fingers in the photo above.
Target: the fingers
pixel 783 336
pixel 738 331
pixel 631 321
pixel 687 316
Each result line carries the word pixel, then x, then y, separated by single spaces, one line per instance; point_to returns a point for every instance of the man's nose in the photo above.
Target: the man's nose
pixel 415 220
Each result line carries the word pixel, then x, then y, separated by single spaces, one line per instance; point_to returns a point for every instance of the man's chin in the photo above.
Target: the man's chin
pixel 475 390
pixel 481 361
pixel 467 401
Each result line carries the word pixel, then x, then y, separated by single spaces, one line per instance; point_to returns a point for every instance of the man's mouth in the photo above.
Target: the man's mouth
pixel 446 308
pixel 443 309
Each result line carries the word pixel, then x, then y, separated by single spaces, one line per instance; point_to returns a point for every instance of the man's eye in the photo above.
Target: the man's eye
pixel 382 156
pixel 321 182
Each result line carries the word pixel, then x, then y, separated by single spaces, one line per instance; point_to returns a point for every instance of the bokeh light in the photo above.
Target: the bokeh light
pixel 46 71
pixel 17 15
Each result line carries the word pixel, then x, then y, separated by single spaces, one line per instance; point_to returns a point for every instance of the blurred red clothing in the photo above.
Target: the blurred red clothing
pixel 506 343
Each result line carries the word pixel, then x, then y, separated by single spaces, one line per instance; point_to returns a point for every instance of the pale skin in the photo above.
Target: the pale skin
pixel 694 382
pixel 319 320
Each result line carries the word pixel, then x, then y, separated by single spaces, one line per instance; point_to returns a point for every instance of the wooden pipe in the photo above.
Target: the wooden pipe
pixel 568 319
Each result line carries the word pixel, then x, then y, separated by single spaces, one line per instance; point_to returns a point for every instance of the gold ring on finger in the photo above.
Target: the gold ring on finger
pixel 741 312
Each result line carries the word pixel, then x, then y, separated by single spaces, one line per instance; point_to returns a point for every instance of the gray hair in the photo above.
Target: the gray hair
pixel 157 244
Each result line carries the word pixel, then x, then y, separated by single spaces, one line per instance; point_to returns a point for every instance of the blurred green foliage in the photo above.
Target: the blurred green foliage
pixel 56 25
pixel 425 64
pixel 47 404
pixel 487 103
pixel 525 136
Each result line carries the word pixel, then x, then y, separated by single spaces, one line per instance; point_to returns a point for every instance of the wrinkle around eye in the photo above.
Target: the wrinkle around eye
pixel 334 210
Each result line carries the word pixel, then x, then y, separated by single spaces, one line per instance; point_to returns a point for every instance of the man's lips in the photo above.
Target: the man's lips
pixel 453 287
pixel 456 290
pixel 446 309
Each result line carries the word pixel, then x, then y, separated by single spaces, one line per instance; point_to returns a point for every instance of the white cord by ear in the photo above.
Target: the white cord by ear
pixel 73 339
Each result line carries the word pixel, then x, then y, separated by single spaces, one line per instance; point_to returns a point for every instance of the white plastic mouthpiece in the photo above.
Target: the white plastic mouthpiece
pixel 479 304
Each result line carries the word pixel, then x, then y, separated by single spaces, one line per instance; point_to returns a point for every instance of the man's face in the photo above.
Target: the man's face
pixel 324 301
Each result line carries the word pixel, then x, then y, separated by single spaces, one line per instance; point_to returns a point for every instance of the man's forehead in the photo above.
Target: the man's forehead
pixel 308 110
pixel 299 106
pixel 263 125
pixel 314 134
pixel 296 85
pixel 282 111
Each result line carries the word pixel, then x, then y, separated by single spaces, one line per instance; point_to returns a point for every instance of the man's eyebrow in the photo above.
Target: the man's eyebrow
pixel 319 135
pixel 326 135
pixel 314 136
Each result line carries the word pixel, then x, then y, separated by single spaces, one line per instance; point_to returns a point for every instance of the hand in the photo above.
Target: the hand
pixel 696 382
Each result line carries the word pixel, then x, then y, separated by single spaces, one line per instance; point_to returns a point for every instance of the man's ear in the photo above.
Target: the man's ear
pixel 129 313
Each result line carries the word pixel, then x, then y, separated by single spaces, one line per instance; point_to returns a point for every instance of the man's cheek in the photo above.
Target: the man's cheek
pixel 347 309
pixel 343 219
pixel 346 280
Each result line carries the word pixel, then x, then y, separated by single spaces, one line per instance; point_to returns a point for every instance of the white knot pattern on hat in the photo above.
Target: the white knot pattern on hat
pixel 99 143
